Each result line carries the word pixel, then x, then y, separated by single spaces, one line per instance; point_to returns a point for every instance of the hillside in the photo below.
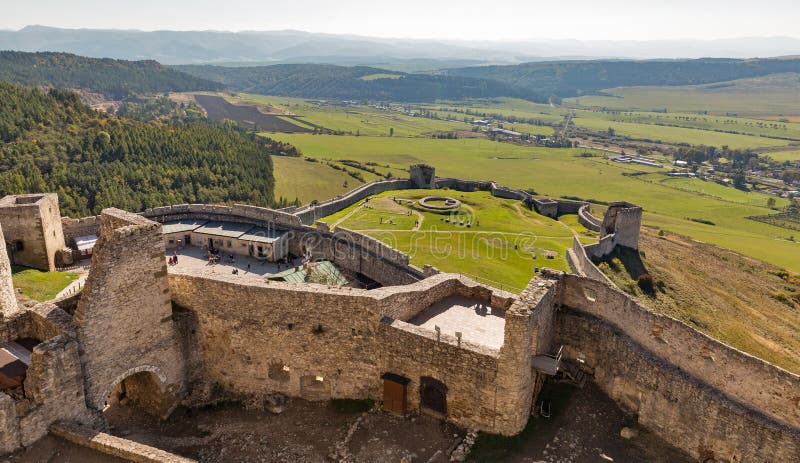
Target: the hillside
pixel 52 142
pixel 351 83
pixel 741 301
pixel 114 78
pixel 574 78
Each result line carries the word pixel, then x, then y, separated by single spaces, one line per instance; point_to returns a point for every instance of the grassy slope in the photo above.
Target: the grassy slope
pixel 763 96
pixel 486 249
pixel 307 181
pixel 557 172
pixel 41 286
pixel 746 315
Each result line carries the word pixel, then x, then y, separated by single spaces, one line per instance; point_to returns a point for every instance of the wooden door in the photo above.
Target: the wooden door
pixel 394 397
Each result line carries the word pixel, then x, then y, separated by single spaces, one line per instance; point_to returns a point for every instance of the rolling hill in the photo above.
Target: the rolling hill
pixel 352 83
pixel 114 78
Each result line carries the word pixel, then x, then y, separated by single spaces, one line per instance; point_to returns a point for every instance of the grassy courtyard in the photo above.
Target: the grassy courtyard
pixel 39 285
pixel 496 240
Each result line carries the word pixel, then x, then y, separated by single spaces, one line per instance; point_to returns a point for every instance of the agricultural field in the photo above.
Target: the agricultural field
pixel 354 119
pixel 668 134
pixel 498 241
pixel 218 108
pixel 793 155
pixel 565 172
pixel 775 96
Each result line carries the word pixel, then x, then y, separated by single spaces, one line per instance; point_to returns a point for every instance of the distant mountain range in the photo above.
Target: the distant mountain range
pixel 271 47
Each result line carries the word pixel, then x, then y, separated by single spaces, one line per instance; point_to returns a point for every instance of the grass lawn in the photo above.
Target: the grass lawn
pixel 39 285
pixel 563 172
pixel 503 243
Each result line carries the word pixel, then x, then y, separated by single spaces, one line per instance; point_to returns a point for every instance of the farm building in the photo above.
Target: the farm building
pixel 228 237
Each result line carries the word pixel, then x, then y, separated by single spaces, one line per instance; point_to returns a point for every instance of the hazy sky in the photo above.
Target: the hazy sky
pixel 450 19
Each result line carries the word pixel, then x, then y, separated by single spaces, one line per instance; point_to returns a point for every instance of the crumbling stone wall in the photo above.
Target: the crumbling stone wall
pixel 705 397
pixel 74 228
pixel 53 387
pixel 586 218
pixel 32 227
pixel 8 298
pixel 124 318
pixel 623 221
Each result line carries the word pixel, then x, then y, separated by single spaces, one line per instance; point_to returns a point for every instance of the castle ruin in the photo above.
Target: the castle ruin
pixel 166 335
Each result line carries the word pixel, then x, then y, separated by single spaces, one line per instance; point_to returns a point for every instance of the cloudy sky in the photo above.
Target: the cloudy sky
pixel 443 19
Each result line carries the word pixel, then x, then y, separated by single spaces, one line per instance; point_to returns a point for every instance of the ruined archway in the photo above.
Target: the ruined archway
pixel 433 395
pixel 142 388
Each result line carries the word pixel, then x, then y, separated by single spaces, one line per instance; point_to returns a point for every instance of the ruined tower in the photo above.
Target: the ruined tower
pixel 623 220
pixel 32 227
pixel 124 318
pixel 423 176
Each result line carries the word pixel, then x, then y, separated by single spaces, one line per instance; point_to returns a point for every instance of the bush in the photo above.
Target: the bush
pixel 646 283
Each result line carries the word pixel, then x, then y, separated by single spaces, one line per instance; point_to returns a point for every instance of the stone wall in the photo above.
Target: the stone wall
pixel 32 226
pixel 124 318
pixel 8 298
pixel 53 387
pixel 116 446
pixel 586 218
pixel 244 328
pixel 698 393
pixel 260 216
pixel 357 253
pixel 580 262
pixel 74 228
pixel 310 213
pixel 623 221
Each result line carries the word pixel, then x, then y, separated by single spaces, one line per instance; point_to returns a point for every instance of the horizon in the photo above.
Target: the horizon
pixel 446 20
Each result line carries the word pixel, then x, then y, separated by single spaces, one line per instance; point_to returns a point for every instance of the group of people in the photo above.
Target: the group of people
pixel 173 259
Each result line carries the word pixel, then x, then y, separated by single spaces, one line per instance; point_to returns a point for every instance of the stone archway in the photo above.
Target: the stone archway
pixel 143 387
pixel 433 395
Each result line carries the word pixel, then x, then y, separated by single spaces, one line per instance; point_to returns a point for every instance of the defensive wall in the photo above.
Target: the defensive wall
pixel 227 336
pixel 701 395
pixel 256 338
pixel 32 229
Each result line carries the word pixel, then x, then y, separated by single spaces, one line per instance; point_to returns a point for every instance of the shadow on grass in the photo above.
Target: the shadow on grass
pixel 496 448
pixel 629 258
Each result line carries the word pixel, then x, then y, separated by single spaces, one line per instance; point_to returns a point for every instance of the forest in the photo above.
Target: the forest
pixel 50 141
pixel 116 79
pixel 351 83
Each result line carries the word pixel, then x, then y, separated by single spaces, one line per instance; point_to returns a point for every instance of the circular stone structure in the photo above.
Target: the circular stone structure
pixel 434 202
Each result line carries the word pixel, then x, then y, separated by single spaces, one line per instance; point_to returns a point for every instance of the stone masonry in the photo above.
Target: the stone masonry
pixel 124 317
pixel 32 228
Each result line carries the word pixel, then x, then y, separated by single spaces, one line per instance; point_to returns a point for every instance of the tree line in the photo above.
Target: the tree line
pixel 50 141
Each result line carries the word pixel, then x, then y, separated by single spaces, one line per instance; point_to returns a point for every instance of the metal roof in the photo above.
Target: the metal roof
pixel 85 242
pixel 262 235
pixel 226 229
pixel 324 272
pixel 180 226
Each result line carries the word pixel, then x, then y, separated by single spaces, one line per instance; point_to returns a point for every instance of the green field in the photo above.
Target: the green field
pixel 362 120
pixel 307 181
pixel 593 121
pixel 560 172
pixel 498 241
pixel 784 155
pixel 41 286
pixel 774 95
